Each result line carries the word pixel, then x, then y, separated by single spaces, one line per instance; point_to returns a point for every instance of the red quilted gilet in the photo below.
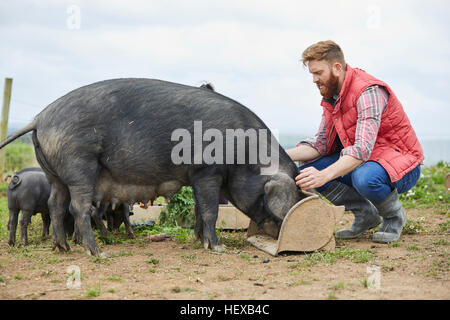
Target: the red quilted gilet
pixel 397 148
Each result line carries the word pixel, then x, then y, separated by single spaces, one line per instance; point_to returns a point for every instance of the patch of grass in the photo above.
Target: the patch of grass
pixel 444 227
pixel 338 286
pixel 413 247
pixel 331 296
pixel 18 277
pixel 93 292
pixel 176 289
pixel 245 256
pixel 109 239
pixel 122 253
pixel 53 260
pixel 387 267
pixel 19 155
pixel 394 244
pixel 153 261
pixel 354 255
pixel 365 283
pixel 430 190
pixel 414 226
pixel 114 278
pixel 441 242
pixel 189 257
pixel 4 214
pixel 99 260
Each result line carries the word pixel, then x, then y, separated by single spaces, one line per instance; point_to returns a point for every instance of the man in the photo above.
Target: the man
pixel 366 151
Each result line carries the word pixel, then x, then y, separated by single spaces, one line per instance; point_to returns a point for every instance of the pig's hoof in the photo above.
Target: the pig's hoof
pixel 77 240
pixel 61 247
pixel 219 248
pixel 216 248
pixel 102 255
pixel 96 252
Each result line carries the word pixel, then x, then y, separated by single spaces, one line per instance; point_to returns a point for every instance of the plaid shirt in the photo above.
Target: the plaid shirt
pixel 370 106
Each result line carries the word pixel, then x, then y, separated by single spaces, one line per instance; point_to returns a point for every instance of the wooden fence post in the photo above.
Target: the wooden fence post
pixel 4 121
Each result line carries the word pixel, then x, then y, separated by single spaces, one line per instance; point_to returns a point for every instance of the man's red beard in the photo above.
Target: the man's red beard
pixel 330 87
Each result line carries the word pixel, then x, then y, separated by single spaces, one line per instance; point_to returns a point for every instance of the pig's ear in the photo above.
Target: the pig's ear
pixel 281 193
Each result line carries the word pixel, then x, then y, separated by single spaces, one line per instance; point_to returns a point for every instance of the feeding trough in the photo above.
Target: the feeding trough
pixel 308 226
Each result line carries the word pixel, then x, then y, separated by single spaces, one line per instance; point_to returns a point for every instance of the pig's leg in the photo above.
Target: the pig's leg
pixel 206 192
pixel 126 221
pixel 12 225
pixel 45 224
pixel 58 203
pixel 25 220
pixel 76 234
pixel 97 216
pixel 110 221
pixel 109 218
pixel 198 229
pixel 69 224
pixel 81 196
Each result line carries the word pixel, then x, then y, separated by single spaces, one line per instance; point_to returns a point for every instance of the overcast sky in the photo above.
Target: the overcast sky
pixel 249 50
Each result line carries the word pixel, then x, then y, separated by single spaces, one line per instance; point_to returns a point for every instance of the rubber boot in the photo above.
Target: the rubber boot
pixel 394 219
pixel 366 215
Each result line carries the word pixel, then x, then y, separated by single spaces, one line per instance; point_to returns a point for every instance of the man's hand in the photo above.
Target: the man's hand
pixel 310 178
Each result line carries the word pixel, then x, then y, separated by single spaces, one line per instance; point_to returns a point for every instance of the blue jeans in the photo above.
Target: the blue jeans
pixel 370 179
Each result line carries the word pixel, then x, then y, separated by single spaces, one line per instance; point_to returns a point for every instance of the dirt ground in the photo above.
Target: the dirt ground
pixel 416 267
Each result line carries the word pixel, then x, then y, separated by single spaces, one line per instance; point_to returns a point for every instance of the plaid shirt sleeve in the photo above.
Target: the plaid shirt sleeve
pixel 319 142
pixel 370 106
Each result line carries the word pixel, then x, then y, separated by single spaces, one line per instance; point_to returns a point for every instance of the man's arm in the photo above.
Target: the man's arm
pixel 310 177
pixel 303 153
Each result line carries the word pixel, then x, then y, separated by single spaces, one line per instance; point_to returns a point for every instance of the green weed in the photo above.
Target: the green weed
pixel 180 210
pixel 414 226
pixel 94 291
pixel 114 278
pixel 430 190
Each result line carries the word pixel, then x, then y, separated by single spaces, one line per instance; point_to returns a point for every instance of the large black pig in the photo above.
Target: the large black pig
pixel 113 141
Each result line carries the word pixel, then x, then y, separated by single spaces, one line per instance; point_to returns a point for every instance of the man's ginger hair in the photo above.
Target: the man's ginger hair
pixel 324 50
